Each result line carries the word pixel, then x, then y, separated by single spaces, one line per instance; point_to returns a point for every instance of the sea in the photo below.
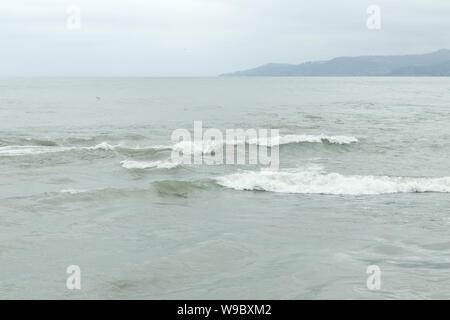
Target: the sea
pixel 358 208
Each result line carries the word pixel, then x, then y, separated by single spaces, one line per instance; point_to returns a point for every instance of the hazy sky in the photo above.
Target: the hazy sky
pixel 207 37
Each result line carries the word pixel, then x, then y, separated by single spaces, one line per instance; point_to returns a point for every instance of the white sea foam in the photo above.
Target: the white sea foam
pixel 101 146
pixel 132 164
pixel 312 181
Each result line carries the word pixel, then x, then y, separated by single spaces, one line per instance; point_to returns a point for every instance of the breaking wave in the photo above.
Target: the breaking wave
pixel 132 164
pixel 207 147
pixel 37 146
pixel 12 151
pixel 317 182
pixel 19 150
pixel 317 139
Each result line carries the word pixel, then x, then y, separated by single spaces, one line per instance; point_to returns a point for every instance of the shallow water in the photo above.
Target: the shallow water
pixel 86 178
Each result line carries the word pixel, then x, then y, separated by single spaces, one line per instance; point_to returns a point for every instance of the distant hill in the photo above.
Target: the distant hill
pixel 430 64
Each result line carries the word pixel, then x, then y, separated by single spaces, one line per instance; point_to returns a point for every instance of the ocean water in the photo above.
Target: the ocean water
pixel 86 179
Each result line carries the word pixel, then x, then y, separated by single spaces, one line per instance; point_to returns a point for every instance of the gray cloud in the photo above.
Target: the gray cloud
pixel 207 37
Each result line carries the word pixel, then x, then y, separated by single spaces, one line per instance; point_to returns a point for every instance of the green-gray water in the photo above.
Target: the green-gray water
pixel 364 180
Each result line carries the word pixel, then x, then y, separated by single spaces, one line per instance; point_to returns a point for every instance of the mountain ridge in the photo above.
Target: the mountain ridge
pixel 436 63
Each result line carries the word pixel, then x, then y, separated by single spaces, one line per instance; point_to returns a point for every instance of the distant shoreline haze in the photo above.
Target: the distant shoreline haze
pixel 430 64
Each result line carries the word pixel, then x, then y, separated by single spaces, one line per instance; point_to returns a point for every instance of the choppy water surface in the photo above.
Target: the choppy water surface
pixel 86 178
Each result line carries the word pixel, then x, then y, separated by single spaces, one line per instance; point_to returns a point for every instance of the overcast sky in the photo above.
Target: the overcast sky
pixel 207 37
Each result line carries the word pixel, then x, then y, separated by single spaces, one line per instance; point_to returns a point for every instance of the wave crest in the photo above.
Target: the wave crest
pixel 207 147
pixel 132 164
pixel 36 146
pixel 316 182
pixel 317 139
pixel 11 151
pixel 23 150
